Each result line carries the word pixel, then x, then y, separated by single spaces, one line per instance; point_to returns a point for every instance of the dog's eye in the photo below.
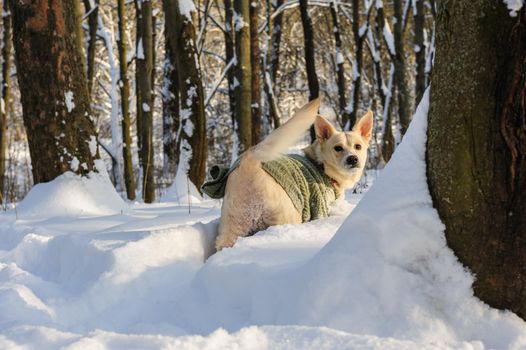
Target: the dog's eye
pixel 358 146
pixel 338 148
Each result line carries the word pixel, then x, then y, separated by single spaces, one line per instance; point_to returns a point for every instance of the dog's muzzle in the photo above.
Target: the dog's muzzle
pixel 351 161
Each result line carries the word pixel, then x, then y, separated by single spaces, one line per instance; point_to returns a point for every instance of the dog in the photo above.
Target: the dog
pixel 254 200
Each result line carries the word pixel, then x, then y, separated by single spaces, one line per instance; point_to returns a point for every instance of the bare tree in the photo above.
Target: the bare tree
pixel 420 49
pixel 229 55
pixel 255 65
pixel 243 85
pixel 405 108
pixel 170 94
pixel 144 61
pixel 310 61
pixel 193 120
pixel 129 177
pixel 5 91
pixel 53 89
pixel 339 61
pixel 92 11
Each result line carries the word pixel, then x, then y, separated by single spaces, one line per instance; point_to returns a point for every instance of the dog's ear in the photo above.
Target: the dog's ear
pixel 323 128
pixel 364 126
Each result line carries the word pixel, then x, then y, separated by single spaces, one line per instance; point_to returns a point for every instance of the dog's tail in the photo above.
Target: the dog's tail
pixel 288 134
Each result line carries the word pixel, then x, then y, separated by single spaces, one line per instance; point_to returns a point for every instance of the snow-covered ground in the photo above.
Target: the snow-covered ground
pixel 81 269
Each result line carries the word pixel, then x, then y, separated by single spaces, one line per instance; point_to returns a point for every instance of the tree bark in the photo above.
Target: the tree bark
pixel 310 61
pixel 193 151
pixel 170 94
pixel 255 65
pixel 92 38
pixel 272 62
pixel 420 50
pixel 357 77
pixel 129 178
pixel 243 89
pixel 338 59
pixel 53 89
pixel 401 74
pixel 229 55
pixel 5 92
pixel 476 151
pixel 144 61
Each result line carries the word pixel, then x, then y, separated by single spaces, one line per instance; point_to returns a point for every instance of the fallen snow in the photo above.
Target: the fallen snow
pixel 68 99
pixel 514 6
pixel 379 278
pixel 72 196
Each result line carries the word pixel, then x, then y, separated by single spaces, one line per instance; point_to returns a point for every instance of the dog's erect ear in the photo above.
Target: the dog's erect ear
pixel 323 128
pixel 364 126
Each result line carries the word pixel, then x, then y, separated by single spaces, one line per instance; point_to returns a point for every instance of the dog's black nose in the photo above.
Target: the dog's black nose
pixel 352 160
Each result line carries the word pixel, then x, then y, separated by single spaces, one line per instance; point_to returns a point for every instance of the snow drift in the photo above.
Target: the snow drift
pixel 382 278
pixel 72 195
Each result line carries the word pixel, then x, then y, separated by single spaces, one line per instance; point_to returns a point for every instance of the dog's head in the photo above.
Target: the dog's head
pixel 343 154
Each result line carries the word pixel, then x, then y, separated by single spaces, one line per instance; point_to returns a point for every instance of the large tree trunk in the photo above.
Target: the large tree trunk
pixel 170 94
pixel 405 108
pixel 255 65
pixel 53 88
pixel 129 178
pixel 5 92
pixel 193 119
pixel 310 62
pixel 243 89
pixel 144 61
pixel 477 144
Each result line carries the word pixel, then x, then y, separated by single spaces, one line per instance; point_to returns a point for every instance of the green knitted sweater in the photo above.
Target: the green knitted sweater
pixel 305 182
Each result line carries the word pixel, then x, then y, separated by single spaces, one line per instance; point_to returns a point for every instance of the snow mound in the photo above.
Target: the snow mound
pixel 387 272
pixel 182 190
pixel 70 195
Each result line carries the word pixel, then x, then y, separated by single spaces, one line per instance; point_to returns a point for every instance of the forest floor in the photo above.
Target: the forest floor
pixel 82 269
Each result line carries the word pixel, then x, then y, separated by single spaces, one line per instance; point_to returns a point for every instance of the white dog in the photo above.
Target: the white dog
pixel 266 188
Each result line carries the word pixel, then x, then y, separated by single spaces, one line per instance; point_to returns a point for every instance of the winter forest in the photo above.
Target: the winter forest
pixel 114 113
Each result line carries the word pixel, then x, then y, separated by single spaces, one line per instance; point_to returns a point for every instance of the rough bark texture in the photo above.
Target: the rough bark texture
pixel 129 178
pixel 420 51
pixel 53 88
pixel 255 65
pixel 243 89
pixel 229 55
pixel 170 95
pixel 401 74
pixel 275 38
pixel 357 80
pixel 340 73
pixel 145 97
pixel 477 144
pixel 310 61
pixel 272 60
pixel 92 38
pixel 5 92
pixel 193 119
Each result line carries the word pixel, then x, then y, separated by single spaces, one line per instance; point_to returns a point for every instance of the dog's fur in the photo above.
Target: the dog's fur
pixel 254 200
